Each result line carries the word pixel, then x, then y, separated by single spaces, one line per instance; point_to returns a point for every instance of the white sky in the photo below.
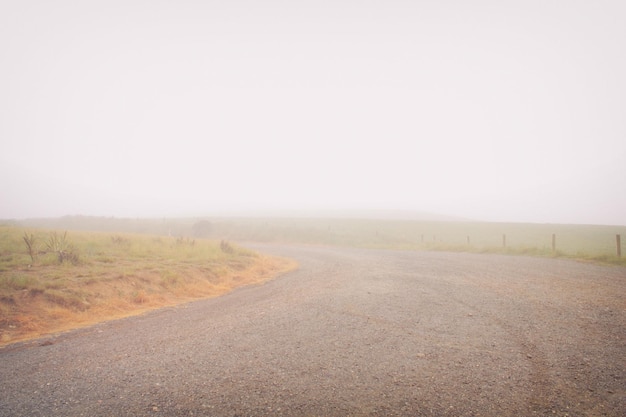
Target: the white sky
pixel 491 110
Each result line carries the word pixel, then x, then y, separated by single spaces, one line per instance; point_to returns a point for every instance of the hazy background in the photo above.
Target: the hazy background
pixel 489 110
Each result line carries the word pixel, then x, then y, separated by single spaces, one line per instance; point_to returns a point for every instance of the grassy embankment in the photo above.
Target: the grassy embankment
pixel 104 276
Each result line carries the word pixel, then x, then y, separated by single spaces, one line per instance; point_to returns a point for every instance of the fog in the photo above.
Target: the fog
pixel 486 110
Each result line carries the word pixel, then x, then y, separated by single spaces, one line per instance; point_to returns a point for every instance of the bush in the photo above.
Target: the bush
pixel 226 247
pixel 61 246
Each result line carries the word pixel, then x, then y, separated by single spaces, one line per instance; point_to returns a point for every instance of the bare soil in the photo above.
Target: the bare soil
pixel 350 333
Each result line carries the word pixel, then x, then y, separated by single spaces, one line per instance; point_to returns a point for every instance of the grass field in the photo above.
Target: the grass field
pixel 112 275
pixel 587 242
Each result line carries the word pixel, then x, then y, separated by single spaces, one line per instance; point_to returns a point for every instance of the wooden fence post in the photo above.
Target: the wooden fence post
pixel 553 242
pixel 618 243
pixel 468 241
pixel 504 241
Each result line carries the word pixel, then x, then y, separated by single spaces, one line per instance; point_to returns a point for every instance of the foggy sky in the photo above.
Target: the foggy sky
pixel 489 110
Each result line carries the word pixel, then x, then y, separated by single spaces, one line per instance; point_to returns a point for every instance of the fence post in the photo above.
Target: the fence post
pixel 504 241
pixel 468 241
pixel 618 243
pixel 553 242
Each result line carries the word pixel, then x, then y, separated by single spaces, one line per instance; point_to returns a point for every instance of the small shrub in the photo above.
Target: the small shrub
pixel 61 246
pixel 226 247
pixel 119 240
pixel 185 241
pixel 31 246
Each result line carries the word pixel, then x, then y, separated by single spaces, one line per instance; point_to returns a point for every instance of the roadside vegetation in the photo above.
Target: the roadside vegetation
pixel 595 243
pixel 52 281
pixel 55 275
pixel 582 242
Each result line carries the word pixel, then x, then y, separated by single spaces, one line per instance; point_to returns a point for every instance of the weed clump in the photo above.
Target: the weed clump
pixel 119 240
pixel 31 246
pixel 64 250
pixel 226 247
pixel 185 241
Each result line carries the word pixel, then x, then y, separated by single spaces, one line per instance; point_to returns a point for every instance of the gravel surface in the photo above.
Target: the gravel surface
pixel 351 332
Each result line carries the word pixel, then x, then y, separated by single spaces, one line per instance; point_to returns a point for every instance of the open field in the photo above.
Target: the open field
pixel 580 241
pixel 588 242
pixel 90 277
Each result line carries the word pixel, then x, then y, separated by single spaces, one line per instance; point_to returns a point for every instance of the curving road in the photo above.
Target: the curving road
pixel 351 332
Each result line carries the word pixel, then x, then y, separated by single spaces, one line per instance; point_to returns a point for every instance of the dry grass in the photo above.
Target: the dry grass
pixel 116 276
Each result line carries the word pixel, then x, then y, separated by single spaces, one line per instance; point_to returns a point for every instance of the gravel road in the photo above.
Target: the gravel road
pixel 351 333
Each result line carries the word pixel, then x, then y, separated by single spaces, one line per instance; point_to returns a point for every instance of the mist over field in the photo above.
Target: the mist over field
pixel 482 110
